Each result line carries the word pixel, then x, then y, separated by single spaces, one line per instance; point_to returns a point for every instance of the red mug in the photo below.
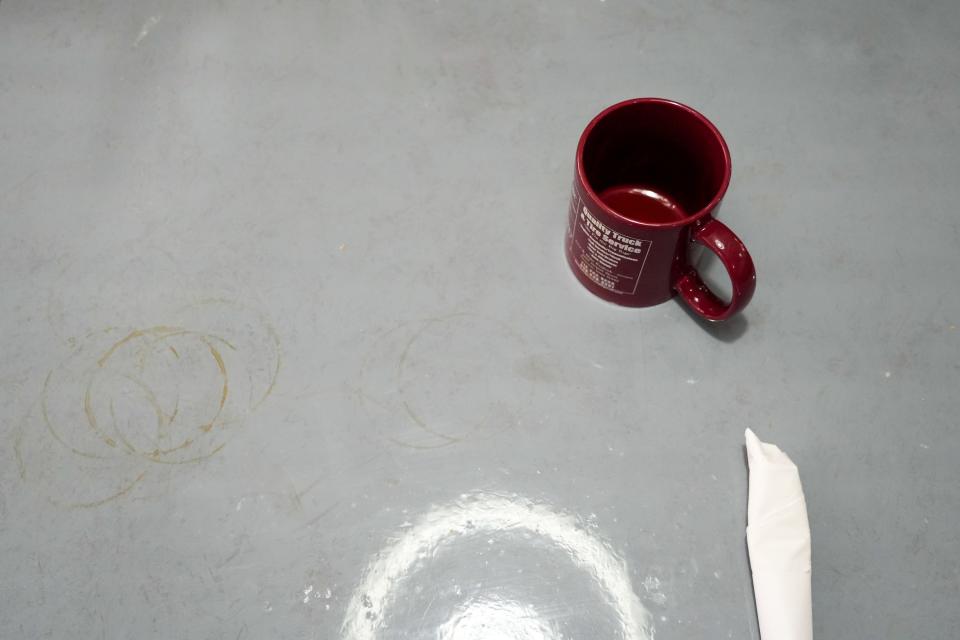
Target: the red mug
pixel 649 180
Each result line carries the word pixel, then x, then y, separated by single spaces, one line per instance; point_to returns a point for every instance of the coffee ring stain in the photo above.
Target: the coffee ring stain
pixel 402 378
pixel 97 503
pixel 117 440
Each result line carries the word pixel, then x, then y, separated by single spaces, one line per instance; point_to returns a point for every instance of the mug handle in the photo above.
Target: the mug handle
pixel 717 237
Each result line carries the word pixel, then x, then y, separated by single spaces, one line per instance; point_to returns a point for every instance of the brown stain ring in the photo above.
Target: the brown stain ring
pixel 147 337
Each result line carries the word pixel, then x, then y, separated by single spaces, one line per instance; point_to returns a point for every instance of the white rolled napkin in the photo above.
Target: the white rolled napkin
pixel 778 539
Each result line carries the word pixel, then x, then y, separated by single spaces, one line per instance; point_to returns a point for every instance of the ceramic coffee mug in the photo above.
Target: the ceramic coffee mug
pixel 649 179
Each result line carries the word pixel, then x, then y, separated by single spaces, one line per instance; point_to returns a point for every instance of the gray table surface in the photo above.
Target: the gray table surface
pixel 290 349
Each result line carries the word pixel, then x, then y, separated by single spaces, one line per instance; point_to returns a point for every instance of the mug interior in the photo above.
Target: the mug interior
pixel 656 147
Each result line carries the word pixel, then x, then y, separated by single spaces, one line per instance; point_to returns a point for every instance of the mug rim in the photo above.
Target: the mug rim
pixel 686 220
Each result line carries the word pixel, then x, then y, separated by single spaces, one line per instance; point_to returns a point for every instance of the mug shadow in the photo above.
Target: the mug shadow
pixel 728 331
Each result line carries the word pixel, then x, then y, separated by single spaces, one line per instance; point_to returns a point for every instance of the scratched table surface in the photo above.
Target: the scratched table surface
pixel 290 348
